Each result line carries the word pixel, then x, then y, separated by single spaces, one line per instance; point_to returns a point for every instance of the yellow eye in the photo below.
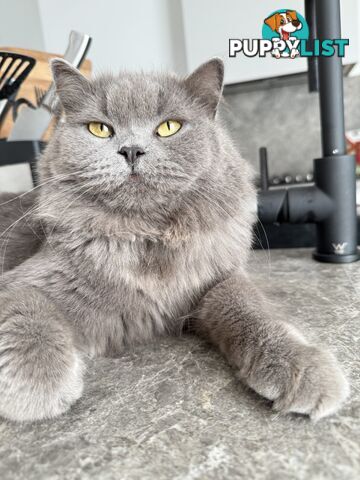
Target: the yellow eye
pixel 168 128
pixel 100 129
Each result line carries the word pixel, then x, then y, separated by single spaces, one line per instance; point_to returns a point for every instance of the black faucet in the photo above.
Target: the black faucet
pixel 330 202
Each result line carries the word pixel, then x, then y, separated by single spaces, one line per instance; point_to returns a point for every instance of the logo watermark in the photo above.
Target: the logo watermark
pixel 285 34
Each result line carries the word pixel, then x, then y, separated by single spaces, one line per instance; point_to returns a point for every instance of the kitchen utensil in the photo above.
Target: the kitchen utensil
pixel 16 105
pixel 31 124
pixel 14 68
pixel 39 94
pixel 39 76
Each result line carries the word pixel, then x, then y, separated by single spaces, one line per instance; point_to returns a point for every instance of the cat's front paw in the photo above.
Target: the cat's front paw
pixel 317 387
pixel 308 380
pixel 26 400
pixel 40 369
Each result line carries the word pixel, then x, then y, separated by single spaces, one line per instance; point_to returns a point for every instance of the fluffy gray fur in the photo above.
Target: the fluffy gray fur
pixel 115 259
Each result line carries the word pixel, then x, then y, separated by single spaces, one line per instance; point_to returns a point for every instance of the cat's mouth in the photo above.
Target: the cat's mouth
pixel 139 181
pixel 134 177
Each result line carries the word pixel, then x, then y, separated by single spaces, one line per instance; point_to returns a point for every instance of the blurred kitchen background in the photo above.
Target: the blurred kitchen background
pixel 266 100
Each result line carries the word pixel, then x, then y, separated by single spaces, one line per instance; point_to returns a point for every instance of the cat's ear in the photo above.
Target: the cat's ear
pixel 71 86
pixel 206 84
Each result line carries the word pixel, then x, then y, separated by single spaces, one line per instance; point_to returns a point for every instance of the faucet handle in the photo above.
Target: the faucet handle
pixel 264 171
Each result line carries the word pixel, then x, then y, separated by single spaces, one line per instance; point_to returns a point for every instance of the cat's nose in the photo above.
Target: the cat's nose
pixel 131 154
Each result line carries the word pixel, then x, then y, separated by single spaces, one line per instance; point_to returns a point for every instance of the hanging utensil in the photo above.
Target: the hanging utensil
pixel 31 124
pixel 14 68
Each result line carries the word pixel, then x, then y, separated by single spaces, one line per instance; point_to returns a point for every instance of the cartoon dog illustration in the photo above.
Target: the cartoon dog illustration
pixel 284 24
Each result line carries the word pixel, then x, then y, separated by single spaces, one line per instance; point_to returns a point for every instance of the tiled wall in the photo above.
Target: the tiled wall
pixel 286 120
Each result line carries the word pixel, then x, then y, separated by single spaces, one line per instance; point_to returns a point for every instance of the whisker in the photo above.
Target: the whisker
pixel 31 212
pixel 68 206
pixel 51 180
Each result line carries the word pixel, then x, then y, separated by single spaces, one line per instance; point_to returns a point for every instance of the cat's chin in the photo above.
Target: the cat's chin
pixel 140 181
pixel 137 183
pixel 135 178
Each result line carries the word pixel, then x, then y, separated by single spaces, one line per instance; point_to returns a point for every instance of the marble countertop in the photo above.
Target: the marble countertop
pixel 174 410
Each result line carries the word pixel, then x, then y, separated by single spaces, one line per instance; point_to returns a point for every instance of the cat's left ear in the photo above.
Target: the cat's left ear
pixel 206 84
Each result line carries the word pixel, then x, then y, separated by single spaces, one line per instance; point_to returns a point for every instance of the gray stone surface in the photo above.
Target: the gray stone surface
pixel 173 410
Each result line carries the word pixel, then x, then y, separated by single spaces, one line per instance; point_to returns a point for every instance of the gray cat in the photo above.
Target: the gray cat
pixel 144 219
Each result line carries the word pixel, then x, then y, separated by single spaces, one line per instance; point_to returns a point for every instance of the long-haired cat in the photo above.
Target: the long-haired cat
pixel 144 214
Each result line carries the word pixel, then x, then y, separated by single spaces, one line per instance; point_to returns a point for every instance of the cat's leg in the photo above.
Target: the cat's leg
pixel 270 355
pixel 40 368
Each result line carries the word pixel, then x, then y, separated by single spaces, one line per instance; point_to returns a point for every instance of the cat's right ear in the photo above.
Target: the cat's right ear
pixel 71 86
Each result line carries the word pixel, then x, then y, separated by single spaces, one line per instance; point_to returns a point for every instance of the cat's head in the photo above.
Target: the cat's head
pixel 135 138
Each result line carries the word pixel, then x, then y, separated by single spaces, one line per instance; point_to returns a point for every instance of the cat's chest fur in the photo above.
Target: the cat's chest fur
pixel 131 290
pixel 124 282
pixel 168 276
